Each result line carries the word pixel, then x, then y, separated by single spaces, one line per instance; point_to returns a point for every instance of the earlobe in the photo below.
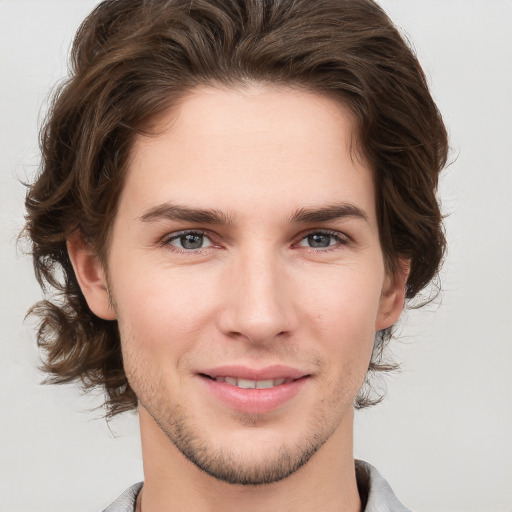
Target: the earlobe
pixel 90 276
pixel 392 300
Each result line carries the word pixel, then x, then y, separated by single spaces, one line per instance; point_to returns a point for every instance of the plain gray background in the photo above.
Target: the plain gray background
pixel 443 435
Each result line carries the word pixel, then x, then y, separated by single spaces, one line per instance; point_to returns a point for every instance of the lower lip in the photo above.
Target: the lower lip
pixel 255 401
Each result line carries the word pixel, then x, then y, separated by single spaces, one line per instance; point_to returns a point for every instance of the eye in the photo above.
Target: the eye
pixel 322 240
pixel 188 241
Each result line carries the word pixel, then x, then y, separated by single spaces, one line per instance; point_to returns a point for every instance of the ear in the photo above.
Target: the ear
pixel 392 299
pixel 90 276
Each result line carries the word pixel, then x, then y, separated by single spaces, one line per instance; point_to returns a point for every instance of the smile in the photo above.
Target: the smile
pixel 254 391
pixel 253 384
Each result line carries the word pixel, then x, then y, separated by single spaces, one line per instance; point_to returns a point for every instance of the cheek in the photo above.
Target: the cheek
pixel 341 309
pixel 343 299
pixel 161 310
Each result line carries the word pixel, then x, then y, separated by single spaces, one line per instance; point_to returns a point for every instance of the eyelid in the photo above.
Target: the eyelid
pixel 170 237
pixel 342 238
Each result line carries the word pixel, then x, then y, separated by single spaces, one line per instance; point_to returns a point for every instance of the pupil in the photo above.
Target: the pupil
pixel 319 240
pixel 191 241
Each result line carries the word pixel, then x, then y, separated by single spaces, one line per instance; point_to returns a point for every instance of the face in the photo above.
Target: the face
pixel 248 280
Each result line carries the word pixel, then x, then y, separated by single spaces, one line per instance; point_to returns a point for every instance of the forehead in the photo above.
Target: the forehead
pixel 250 148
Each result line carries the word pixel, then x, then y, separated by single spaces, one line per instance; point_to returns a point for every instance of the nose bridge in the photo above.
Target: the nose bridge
pixel 259 306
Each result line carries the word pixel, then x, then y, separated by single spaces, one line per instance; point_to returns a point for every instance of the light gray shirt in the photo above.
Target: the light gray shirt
pixel 375 492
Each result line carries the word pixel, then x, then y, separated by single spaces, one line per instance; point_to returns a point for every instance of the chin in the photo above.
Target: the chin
pixel 252 452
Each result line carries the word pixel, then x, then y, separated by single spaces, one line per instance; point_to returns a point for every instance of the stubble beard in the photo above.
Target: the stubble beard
pixel 227 466
pixel 229 463
pixel 222 464
pixel 261 464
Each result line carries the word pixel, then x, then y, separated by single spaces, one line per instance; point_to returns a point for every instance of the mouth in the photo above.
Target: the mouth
pixel 255 391
pixel 251 384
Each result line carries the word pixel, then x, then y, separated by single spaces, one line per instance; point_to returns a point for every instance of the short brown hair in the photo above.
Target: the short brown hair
pixel 133 59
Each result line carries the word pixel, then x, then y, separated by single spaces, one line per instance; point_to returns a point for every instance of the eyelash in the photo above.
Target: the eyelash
pixel 166 242
pixel 341 240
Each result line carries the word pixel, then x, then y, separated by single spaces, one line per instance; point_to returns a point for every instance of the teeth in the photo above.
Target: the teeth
pixel 246 384
pixel 252 384
pixel 264 384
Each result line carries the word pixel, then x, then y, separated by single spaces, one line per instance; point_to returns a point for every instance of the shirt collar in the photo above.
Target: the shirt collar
pixel 376 494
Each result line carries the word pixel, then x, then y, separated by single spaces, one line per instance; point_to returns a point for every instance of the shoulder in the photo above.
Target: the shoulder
pixel 376 494
pixel 125 502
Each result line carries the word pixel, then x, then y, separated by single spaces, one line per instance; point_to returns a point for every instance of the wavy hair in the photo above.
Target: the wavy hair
pixel 132 60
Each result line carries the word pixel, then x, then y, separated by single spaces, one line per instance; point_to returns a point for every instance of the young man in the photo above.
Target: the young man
pixel 239 197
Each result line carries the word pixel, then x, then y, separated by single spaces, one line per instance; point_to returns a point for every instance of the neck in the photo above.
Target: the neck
pixel 326 482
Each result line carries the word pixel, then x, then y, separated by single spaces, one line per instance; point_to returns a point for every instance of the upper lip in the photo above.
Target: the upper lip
pixel 248 373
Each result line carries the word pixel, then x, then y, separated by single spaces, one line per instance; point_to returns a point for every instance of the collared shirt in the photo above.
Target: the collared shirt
pixel 376 494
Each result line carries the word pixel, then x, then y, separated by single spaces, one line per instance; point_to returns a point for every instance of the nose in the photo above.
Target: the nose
pixel 258 304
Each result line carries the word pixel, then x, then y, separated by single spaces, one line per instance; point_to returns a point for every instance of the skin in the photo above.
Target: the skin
pixel 258 291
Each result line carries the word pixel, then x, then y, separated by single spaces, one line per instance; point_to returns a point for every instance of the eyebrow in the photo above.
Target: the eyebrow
pixel 327 213
pixel 169 211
